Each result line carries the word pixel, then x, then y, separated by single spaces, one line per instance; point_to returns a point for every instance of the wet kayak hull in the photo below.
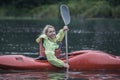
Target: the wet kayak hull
pixel 78 60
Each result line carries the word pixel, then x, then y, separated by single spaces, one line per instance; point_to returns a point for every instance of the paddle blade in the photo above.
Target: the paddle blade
pixel 65 14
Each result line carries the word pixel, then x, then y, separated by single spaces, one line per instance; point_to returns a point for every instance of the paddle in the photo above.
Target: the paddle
pixel 66 18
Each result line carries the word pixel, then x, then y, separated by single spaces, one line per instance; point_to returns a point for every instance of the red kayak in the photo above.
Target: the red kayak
pixel 78 60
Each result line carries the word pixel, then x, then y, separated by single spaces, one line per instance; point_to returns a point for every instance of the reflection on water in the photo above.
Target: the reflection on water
pixel 96 75
pixel 37 75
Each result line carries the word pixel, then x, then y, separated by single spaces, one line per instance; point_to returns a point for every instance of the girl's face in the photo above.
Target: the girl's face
pixel 51 33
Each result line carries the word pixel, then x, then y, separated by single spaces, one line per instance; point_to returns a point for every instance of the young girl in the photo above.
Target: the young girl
pixel 50 45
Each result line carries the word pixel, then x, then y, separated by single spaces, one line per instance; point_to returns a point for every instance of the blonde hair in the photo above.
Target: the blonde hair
pixel 45 30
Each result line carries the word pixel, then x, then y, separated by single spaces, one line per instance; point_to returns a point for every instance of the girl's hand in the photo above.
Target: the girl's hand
pixel 65 28
pixel 66 65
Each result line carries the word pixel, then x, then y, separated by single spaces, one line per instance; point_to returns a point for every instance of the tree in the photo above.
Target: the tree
pixel 114 2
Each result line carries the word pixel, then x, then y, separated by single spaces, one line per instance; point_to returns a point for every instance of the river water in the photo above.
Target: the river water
pixel 38 75
pixel 18 37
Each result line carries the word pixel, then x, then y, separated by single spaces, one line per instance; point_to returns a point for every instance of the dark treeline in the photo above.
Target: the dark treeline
pixel 45 8
pixel 34 3
pixel 28 3
pixel 114 2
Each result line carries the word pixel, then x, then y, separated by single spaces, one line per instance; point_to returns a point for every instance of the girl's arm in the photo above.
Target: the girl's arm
pixel 61 33
pixel 53 60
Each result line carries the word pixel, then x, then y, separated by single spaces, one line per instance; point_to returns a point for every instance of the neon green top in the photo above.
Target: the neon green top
pixel 50 47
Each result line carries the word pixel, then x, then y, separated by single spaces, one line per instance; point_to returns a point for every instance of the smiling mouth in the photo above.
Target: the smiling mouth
pixel 53 36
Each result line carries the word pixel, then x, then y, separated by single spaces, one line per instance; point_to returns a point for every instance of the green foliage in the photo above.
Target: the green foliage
pixel 100 9
pixel 86 8
pixel 45 9
pixel 116 12
pixel 114 2
pixel 28 3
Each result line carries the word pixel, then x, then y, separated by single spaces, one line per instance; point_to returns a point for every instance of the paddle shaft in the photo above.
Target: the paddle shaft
pixel 66 18
pixel 66 42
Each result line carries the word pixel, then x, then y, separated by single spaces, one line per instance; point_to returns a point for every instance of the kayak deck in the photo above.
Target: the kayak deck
pixel 78 60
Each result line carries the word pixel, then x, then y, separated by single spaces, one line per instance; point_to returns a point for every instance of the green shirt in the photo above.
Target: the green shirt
pixel 50 47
